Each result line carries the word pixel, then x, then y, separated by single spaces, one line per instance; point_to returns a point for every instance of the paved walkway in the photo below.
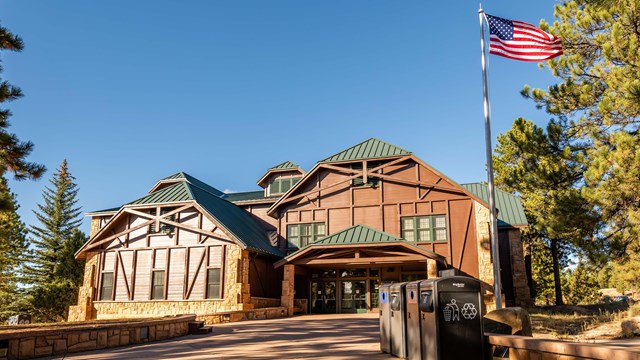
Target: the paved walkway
pixel 304 337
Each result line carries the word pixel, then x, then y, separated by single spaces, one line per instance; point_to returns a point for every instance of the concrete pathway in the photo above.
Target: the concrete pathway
pixel 337 336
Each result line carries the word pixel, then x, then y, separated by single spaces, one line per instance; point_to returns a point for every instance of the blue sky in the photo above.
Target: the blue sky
pixel 133 91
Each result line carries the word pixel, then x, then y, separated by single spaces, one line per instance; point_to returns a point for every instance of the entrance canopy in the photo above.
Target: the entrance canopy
pixel 360 245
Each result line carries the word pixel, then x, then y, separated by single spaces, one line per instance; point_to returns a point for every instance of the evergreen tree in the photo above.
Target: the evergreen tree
pixel 13 247
pixel 545 168
pixel 599 96
pixel 53 271
pixel 58 217
pixel 582 284
pixel 13 152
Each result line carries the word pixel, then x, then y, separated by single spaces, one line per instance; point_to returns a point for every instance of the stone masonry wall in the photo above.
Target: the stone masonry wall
pixel 485 263
pixel 26 342
pixel 236 295
pixel 520 283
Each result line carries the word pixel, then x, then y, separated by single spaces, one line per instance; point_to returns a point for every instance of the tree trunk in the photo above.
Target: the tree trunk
pixel 556 271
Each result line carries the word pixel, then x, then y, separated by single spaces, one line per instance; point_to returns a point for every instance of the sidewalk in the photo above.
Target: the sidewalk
pixel 335 336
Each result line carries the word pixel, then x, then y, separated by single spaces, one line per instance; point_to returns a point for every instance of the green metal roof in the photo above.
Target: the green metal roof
pixel 369 149
pixel 361 234
pixel 109 211
pixel 285 165
pixel 182 176
pixel 232 218
pixel 510 210
pixel 357 234
pixel 247 196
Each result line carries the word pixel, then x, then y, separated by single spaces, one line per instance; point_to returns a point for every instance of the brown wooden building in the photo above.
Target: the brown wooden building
pixel 320 241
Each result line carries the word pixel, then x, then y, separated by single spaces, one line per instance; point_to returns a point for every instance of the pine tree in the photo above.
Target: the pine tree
pixel 13 247
pixel 546 169
pixel 53 271
pixel 13 152
pixel 598 94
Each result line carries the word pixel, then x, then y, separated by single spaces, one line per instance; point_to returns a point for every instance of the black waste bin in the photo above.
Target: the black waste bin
pixel 451 318
pixel 397 307
pixel 414 348
pixel 385 320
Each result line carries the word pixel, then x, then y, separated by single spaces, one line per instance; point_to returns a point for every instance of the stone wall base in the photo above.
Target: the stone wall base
pixel 253 314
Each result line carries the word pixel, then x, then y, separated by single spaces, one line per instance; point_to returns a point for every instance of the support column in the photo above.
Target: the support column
pixel 286 300
pixel 432 269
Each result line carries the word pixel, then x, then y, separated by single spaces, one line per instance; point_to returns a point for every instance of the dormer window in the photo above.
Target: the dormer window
pixel 280 186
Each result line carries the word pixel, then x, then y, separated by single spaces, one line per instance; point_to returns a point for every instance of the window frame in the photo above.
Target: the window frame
pixel 164 228
pixel 313 234
pixel 432 228
pixel 291 181
pixel 154 285
pixel 207 295
pixel 102 287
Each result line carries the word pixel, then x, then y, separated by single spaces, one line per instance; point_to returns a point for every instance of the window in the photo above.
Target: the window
pixel 213 283
pixel 157 285
pixel 300 235
pixel 282 185
pixel 371 181
pixel 107 286
pixel 164 228
pixel 424 228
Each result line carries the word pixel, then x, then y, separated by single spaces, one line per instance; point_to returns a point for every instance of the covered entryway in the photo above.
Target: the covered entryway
pixel 341 273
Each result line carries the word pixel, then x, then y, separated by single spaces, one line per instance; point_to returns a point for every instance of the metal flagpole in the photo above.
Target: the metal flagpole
pixel 492 200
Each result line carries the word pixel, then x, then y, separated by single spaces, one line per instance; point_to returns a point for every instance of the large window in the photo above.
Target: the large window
pixel 107 286
pixel 164 228
pixel 282 185
pixel 300 235
pixel 424 228
pixel 157 285
pixel 213 283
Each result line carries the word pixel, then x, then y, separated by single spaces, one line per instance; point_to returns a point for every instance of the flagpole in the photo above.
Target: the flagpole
pixel 492 200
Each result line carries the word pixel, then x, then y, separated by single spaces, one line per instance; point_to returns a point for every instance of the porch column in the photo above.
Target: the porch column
pixel 432 269
pixel 286 300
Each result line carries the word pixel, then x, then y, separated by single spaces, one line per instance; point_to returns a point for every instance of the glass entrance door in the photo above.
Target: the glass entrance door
pixel 323 297
pixel 354 296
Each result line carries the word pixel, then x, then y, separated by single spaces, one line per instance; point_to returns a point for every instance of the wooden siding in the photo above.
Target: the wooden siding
pixel 382 207
pixel 183 254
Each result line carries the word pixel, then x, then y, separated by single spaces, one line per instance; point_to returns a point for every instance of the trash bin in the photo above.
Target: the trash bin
pixel 397 307
pixel 414 348
pixel 385 320
pixel 451 318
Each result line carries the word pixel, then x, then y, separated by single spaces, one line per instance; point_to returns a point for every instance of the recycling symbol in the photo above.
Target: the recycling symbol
pixel 469 311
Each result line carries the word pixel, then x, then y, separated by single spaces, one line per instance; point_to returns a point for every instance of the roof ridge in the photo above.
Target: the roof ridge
pixel 367 149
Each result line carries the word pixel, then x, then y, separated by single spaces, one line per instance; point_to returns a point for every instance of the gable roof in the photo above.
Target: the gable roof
pixel 283 167
pixel 181 177
pixel 230 217
pixel 510 209
pixel 369 149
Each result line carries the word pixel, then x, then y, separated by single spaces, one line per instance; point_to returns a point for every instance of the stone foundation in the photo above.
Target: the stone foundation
pixel 29 341
pixel 233 316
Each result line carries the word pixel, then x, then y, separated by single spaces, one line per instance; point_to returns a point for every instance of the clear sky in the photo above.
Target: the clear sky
pixel 133 91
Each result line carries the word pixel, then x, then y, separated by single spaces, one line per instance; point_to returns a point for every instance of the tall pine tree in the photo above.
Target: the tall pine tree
pixel 13 151
pixel 13 247
pixel 53 272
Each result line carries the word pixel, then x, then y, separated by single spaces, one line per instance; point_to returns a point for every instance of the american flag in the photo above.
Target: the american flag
pixel 521 41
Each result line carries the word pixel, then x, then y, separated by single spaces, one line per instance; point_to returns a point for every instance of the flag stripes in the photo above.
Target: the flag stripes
pixel 521 41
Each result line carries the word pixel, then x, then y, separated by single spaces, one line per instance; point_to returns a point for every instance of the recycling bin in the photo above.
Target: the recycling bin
pixel 385 320
pixel 414 348
pixel 397 307
pixel 451 318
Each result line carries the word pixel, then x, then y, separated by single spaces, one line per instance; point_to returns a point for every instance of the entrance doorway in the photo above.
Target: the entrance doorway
pixel 354 296
pixel 323 297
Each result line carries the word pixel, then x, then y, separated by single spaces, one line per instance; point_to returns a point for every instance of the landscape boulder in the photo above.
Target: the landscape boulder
pixel 631 327
pixel 510 321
